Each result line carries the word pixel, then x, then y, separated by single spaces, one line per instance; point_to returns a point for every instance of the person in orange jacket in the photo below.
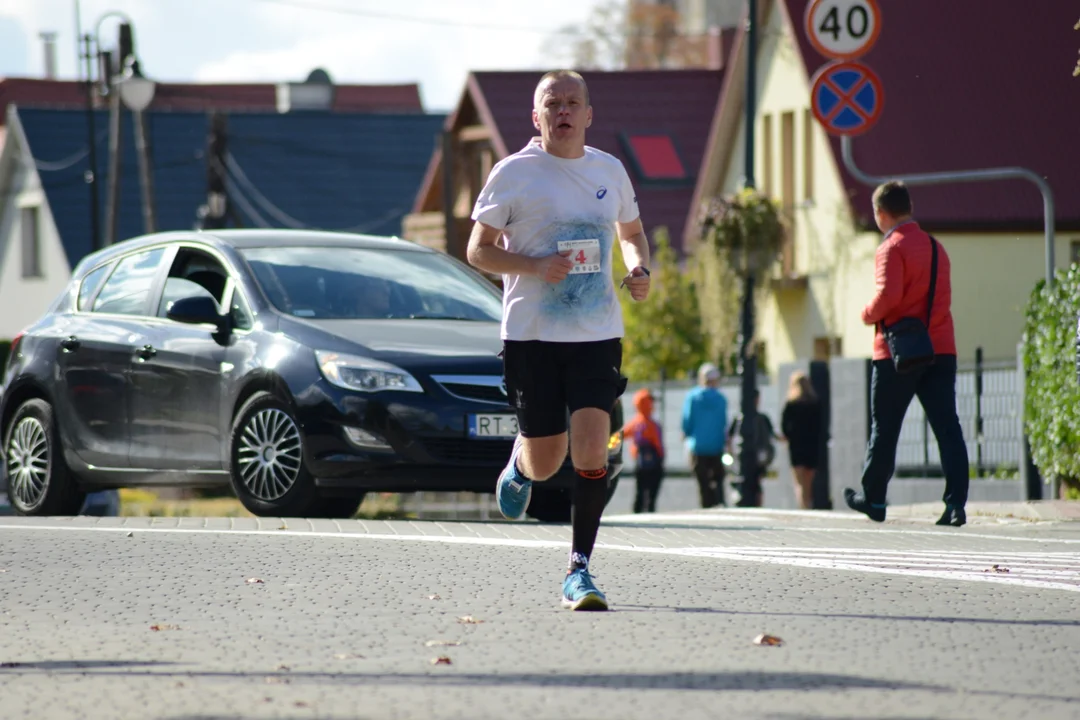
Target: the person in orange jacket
pixel 647 449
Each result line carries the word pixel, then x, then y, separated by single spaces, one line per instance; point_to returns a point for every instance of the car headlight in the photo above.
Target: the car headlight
pixel 354 372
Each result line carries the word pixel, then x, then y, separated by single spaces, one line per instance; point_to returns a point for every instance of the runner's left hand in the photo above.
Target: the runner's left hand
pixel 638 284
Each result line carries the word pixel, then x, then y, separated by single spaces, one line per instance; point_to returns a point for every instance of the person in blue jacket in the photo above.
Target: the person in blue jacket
pixel 704 425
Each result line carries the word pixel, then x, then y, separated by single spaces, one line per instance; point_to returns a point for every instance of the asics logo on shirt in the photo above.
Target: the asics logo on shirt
pixel 601 193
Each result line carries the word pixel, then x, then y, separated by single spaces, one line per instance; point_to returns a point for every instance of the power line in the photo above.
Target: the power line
pixel 238 176
pixel 441 22
pixel 569 31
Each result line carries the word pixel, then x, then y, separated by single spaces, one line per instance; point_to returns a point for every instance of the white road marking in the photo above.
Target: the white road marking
pixel 1056 571
pixel 1047 570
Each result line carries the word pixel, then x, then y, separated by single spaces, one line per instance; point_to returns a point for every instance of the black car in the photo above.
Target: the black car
pixel 303 368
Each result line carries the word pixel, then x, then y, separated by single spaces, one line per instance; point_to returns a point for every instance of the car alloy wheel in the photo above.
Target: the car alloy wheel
pixel 28 462
pixel 269 455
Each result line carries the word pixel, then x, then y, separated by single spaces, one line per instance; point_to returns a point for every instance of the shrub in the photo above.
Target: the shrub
pixel 664 332
pixel 1051 392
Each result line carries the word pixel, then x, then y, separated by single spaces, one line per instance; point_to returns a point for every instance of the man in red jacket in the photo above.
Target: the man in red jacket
pixel 902 267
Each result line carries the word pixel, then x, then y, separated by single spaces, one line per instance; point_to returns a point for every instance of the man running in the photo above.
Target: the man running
pixel 557 205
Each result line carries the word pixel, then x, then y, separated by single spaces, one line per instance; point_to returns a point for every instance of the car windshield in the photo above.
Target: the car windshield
pixel 336 283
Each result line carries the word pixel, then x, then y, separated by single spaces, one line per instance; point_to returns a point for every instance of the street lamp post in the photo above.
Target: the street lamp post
pixel 137 92
pixel 747 352
pixel 106 72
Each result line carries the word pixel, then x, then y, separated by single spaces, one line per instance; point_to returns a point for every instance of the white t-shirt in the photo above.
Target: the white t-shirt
pixel 540 202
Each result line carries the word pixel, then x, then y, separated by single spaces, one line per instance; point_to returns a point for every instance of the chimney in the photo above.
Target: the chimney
pixel 315 93
pixel 49 41
pixel 714 49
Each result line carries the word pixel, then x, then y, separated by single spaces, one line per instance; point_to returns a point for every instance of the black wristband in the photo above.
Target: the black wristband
pixel 643 269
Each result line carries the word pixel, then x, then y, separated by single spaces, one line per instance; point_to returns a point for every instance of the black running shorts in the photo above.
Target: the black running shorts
pixel 545 379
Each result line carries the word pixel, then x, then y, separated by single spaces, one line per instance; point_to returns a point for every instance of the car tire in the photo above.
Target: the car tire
pixel 556 506
pixel 33 456
pixel 266 460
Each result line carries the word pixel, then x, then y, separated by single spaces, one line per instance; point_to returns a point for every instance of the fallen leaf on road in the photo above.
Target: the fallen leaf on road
pixel 282 667
pixel 300 703
pixel 254 581
pixel 997 569
pixel 164 626
pixel 433 597
pixel 442 643
pixel 348 656
pixel 469 620
pixel 764 639
pixel 130 534
pixel 441 660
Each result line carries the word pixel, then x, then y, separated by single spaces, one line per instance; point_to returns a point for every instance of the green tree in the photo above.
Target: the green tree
pixel 664 331
pixel 740 233
pixel 1051 392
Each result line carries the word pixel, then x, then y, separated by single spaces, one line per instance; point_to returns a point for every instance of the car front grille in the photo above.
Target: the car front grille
pixel 477 392
pixel 482 388
pixel 465 451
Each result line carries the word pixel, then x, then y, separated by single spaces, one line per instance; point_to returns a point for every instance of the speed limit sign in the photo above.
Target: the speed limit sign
pixel 843 29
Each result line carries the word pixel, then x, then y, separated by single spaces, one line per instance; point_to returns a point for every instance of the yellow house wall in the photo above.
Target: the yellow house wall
pixel 993 275
pixel 832 257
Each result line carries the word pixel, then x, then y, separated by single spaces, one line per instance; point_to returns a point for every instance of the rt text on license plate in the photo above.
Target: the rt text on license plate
pixel 493 426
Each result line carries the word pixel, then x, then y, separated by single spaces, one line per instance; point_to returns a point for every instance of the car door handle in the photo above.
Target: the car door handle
pixel 146 352
pixel 70 344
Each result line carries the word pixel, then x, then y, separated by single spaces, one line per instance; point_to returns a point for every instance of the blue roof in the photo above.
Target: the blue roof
pixel 327 171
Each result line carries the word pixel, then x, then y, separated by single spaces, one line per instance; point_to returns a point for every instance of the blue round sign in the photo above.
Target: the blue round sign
pixel 846 98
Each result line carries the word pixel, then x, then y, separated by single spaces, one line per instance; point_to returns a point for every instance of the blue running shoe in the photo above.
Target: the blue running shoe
pixel 579 592
pixel 512 491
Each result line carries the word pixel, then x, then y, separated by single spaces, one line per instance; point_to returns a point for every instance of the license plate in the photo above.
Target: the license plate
pixel 483 426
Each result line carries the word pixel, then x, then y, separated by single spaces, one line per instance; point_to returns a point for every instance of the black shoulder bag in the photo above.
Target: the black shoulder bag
pixel 908 338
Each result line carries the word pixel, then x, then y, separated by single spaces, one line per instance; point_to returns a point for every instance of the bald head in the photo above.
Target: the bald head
pixel 555 76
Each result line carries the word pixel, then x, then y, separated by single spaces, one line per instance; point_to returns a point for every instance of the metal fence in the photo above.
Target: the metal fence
pixel 988 401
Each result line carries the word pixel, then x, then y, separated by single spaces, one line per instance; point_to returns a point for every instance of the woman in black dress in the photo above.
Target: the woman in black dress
pixel 801 425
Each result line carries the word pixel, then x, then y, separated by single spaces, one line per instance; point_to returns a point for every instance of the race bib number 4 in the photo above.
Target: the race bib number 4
pixel 585 254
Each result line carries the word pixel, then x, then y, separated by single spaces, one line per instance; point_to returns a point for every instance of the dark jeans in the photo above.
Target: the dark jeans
pixel 648 487
pixel 709 471
pixel 890 395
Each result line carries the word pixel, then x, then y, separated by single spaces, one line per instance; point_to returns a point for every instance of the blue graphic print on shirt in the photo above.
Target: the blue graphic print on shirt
pixel 586 293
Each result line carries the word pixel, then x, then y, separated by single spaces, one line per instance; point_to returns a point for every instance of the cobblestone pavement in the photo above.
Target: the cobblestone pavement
pixel 286 618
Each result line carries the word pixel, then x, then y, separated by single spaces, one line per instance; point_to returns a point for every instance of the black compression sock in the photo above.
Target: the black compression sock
pixel 590 496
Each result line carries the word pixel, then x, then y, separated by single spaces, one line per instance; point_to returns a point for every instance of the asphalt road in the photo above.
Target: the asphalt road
pixel 305 619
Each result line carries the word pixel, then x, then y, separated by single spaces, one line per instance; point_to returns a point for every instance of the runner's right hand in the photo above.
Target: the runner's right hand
pixel 554 268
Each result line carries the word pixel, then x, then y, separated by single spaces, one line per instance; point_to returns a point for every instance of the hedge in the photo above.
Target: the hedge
pixel 1052 392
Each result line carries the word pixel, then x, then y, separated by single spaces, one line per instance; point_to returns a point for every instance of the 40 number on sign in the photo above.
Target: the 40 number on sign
pixel 843 29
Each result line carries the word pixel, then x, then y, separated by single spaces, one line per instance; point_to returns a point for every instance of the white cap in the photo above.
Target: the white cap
pixel 708 372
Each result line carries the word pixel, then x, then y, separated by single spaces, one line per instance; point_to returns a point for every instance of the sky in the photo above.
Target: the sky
pixel 431 42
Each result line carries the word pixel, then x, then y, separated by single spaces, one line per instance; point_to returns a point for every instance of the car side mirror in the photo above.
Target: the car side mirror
pixel 195 311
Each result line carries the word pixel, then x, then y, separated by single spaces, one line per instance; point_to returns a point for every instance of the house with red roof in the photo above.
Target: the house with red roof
pixel 968 84
pixel 655 121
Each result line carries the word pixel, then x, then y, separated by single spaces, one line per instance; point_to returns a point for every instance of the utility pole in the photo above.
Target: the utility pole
pixel 113 93
pixel 748 461
pixel 212 215
pixel 91 174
